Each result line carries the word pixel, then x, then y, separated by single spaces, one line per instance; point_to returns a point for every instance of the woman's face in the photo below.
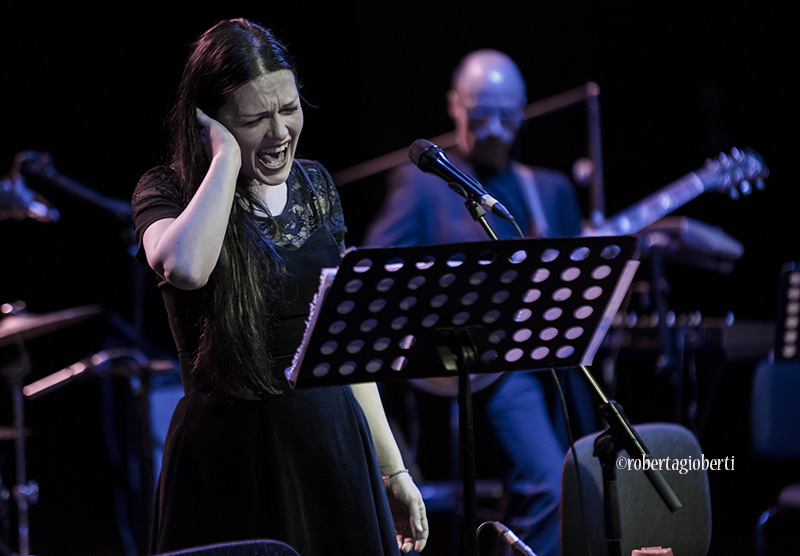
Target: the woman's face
pixel 265 117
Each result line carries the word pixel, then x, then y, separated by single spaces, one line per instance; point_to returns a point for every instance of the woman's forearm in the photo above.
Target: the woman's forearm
pixel 185 250
pixel 389 457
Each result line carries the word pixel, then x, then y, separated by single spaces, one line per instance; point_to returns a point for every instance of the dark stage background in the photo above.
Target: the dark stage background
pixel 92 87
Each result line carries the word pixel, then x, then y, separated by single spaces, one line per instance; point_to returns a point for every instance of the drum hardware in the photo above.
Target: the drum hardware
pixel 21 326
pixel 40 164
pixel 16 328
pixel 18 202
pixel 18 331
pixel 25 492
pixel 101 362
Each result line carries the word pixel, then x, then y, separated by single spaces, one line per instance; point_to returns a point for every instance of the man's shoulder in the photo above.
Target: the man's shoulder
pixel 545 179
pixel 409 175
pixel 543 173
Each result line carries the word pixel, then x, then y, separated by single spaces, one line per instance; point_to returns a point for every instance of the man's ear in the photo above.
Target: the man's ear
pixel 452 104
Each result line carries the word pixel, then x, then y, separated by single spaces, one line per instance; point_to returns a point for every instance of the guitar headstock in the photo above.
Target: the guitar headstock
pixel 737 173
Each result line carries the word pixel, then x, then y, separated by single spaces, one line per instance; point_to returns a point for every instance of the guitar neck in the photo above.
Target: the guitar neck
pixel 656 206
pixel 732 173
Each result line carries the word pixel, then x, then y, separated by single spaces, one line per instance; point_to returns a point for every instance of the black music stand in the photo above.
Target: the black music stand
pixel 482 307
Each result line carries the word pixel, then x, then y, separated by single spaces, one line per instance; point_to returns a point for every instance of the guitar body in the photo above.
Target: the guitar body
pixel 447 386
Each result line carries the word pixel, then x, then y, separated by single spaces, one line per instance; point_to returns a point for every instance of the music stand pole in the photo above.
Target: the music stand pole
pixel 466 424
pixel 457 354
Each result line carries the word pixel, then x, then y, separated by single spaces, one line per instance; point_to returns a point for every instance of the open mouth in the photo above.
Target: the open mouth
pixel 274 158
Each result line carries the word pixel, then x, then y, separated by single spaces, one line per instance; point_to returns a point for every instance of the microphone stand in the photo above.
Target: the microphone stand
pixel 476 210
pixel 479 215
pixel 620 435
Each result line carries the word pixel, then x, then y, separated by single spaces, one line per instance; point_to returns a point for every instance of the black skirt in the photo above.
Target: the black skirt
pixel 299 468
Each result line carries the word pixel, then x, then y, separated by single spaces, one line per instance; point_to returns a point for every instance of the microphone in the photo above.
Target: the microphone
pixel 508 536
pixel 431 159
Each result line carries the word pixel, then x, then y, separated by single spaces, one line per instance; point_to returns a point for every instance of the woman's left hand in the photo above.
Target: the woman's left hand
pixel 408 511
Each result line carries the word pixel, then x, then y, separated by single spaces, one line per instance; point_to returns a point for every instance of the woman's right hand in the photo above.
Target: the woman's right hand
pixel 216 138
pixel 408 511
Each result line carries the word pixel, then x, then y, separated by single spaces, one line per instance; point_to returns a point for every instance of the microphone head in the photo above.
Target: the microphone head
pixel 418 149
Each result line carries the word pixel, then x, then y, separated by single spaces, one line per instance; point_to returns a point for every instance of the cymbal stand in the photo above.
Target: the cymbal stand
pixel 25 492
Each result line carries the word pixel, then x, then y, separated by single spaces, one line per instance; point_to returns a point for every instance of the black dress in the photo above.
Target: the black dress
pixel 298 467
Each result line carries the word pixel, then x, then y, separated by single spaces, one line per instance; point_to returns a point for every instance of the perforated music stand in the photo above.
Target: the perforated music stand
pixel 461 309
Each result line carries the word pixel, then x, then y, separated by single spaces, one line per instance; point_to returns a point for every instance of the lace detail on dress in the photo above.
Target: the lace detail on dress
pixel 312 202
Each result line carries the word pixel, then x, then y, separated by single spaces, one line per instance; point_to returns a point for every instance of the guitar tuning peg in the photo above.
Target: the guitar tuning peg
pixel 745 187
pixel 733 193
pixel 760 184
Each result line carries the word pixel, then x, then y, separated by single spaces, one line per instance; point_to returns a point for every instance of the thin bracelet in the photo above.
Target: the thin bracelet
pixel 390 475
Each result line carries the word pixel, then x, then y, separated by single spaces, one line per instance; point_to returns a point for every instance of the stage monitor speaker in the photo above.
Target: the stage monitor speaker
pixel 644 518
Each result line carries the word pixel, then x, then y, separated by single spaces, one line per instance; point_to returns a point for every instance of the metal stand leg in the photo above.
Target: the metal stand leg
pixel 25 492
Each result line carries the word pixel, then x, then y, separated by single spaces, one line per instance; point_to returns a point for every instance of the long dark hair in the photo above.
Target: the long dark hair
pixel 242 293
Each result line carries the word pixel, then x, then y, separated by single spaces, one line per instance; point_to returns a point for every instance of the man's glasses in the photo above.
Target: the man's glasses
pixel 507 116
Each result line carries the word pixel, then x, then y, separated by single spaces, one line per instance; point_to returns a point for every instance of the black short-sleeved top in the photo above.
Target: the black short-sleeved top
pixel 312 204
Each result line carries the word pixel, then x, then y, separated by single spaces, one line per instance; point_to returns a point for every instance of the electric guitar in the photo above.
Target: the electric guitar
pixel 738 174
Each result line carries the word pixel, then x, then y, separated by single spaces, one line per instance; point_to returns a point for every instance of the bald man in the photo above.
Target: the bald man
pixel 486 104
